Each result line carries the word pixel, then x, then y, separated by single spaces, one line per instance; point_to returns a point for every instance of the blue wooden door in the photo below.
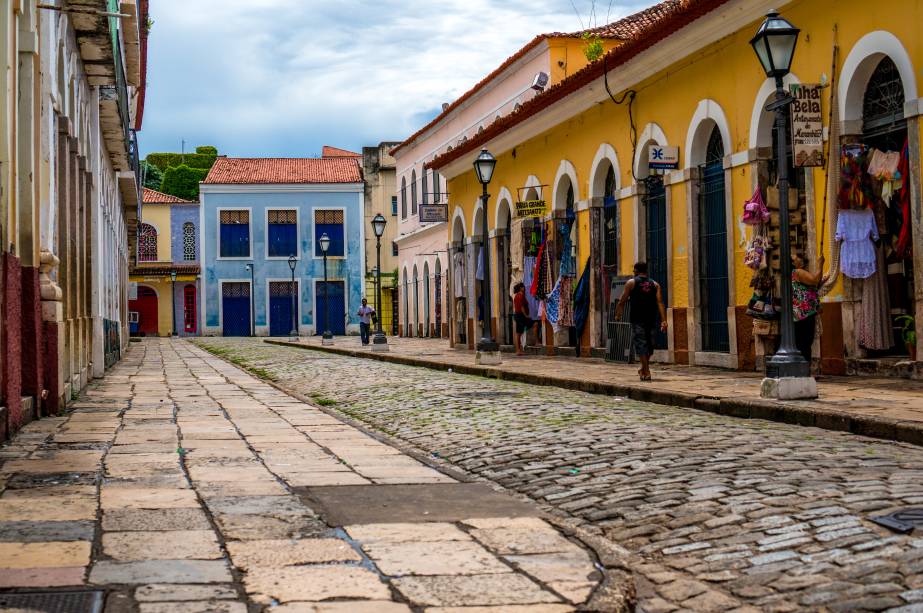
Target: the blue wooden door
pixel 713 261
pixel 281 299
pixel 235 309
pixel 656 204
pixel 331 307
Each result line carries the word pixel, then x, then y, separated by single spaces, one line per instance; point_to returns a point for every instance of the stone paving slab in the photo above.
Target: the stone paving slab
pixel 184 494
pixel 713 512
pixel 880 407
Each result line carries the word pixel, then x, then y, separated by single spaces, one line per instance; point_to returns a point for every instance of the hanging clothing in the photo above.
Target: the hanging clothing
pixel 516 251
pixel 582 300
pixel 566 309
pixel 528 266
pixel 904 246
pixel 568 262
pixel 857 230
pixel 875 331
pixel 553 305
pixel 535 288
pixel 479 271
pixel 458 273
pixel 855 190
pixel 883 165
pixel 547 271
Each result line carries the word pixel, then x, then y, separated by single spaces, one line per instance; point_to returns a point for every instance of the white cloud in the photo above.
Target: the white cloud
pixel 283 77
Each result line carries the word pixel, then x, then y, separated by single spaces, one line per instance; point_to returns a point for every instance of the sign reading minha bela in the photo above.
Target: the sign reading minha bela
pixel 530 208
pixel 807 125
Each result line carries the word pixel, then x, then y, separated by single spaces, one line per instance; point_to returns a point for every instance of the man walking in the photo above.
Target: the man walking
pixel 365 314
pixel 645 297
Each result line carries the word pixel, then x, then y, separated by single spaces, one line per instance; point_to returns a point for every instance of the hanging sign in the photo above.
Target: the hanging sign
pixel 132 290
pixel 531 208
pixel 433 213
pixel 807 125
pixel 662 158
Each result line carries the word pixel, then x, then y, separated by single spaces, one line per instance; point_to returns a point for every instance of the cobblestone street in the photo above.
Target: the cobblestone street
pixel 179 483
pixel 717 512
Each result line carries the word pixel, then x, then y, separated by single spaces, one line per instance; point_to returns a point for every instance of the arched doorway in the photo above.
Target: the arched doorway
pixel 190 310
pixel 712 243
pixel 504 272
pixel 405 289
pixel 458 265
pixel 416 302
pixel 144 312
pixel 477 254
pixel 656 252
pixel 426 303
pixel 884 130
pixel 437 297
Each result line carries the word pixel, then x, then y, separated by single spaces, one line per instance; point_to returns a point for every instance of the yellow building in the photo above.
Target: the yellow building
pixel 690 80
pixel 380 198
pixel 164 295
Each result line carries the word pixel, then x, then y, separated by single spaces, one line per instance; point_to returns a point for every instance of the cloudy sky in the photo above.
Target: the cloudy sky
pixel 284 77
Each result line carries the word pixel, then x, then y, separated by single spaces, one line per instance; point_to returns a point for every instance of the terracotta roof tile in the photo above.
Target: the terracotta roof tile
pixel 336 152
pixel 152 196
pixel 633 25
pixel 284 170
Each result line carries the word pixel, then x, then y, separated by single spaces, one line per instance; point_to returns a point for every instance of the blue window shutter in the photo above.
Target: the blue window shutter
pixel 282 240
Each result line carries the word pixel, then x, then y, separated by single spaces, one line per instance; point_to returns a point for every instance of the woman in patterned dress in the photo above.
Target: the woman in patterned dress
pixel 805 302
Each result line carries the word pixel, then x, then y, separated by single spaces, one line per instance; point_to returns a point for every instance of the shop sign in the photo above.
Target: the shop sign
pixel 662 158
pixel 531 208
pixel 434 213
pixel 133 290
pixel 807 125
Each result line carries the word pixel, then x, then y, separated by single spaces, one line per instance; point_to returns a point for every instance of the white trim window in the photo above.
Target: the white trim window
pixel 332 223
pixel 281 233
pixel 234 237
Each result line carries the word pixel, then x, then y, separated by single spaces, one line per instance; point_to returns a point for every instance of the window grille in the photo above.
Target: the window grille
pixel 283 216
pixel 230 217
pixel 189 241
pixel 147 243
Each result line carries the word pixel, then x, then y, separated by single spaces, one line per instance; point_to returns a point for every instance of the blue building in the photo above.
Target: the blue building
pixel 255 214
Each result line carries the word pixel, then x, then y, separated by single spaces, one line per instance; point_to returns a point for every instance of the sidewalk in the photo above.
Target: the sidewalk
pixel 181 483
pixel 884 408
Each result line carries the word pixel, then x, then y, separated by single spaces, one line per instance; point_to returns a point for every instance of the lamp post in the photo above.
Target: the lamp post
pixel 327 338
pixel 488 351
pixel 252 313
pixel 173 298
pixel 380 341
pixel 774 45
pixel 292 262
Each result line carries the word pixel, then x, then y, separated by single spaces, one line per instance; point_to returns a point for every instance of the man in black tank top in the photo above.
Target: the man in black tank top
pixel 646 300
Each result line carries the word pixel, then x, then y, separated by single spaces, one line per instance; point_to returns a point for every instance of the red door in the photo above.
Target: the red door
pixel 146 307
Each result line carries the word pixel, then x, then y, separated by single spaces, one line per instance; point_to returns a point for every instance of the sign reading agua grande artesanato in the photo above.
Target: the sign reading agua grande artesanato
pixel 807 125
pixel 531 208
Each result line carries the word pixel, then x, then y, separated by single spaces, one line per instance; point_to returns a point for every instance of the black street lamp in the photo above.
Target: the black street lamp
pixel 488 351
pixel 774 45
pixel 252 310
pixel 327 338
pixel 173 298
pixel 379 342
pixel 292 262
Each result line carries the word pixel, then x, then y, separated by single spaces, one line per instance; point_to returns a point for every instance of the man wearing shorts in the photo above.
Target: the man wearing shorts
pixel 520 316
pixel 645 297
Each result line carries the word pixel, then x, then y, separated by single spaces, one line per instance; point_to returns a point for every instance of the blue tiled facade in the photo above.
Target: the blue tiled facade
pixel 256 201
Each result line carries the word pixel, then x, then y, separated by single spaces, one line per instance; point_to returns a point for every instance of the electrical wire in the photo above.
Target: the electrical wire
pixel 633 129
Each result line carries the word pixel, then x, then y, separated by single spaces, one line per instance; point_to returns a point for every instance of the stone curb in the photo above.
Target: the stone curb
pixel 785 412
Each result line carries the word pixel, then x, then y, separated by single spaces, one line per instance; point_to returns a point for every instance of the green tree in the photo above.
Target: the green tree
pixel 153 176
pixel 182 181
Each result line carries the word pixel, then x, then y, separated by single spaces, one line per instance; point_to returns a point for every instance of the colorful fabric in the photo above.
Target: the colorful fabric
pixel 553 305
pixel 855 188
pixel 566 310
pixel 535 288
pixel 528 271
pixel 805 299
pixel 568 261
pixel 875 330
pixel 857 230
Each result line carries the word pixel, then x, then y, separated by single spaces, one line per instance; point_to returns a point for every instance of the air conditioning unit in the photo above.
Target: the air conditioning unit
pixel 540 81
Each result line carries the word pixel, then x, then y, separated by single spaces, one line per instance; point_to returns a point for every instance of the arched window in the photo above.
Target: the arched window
pixel 437 188
pixel 147 243
pixel 883 104
pixel 189 253
pixel 714 153
pixel 403 198
pixel 413 193
pixel 569 202
pixel 425 188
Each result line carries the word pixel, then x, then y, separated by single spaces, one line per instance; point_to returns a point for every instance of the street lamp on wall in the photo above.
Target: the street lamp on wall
pixel 173 298
pixel 488 351
pixel 774 45
pixel 379 342
pixel 292 262
pixel 327 338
